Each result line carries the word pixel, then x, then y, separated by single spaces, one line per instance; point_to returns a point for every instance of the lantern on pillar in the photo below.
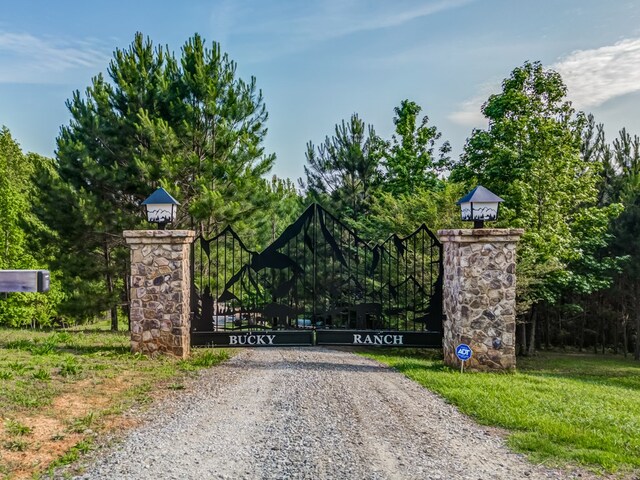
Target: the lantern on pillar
pixel 479 205
pixel 161 208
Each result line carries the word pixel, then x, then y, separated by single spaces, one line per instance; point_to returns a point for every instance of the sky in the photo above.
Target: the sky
pixel 318 62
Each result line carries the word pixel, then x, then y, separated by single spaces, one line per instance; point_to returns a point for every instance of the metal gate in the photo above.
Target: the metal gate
pixel 318 283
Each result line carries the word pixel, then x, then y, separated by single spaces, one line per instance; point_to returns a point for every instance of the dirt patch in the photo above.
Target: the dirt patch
pixel 77 415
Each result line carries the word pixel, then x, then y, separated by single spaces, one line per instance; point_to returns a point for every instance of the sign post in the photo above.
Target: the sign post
pixel 463 352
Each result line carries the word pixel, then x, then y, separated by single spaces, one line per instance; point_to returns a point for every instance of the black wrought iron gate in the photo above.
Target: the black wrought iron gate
pixel 317 284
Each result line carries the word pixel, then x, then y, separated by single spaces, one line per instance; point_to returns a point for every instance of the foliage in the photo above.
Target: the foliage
pixel 409 159
pixel 19 233
pixel 624 184
pixel 600 287
pixel 344 171
pixel 402 214
pixel 532 155
pixel 284 205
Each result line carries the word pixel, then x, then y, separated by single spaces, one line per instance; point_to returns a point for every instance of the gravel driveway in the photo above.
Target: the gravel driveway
pixel 310 413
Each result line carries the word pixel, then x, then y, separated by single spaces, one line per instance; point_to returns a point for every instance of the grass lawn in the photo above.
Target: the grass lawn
pixel 60 390
pixel 559 408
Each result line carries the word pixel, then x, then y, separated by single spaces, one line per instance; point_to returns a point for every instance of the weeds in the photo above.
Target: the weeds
pixel 41 374
pixel 16 445
pixel 70 367
pixel 15 428
pixel 45 348
pixel 80 448
pixel 79 425
pixel 17 367
pixel 208 358
pixel 63 337
pixel 20 344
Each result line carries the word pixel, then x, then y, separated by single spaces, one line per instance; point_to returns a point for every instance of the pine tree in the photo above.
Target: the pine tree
pixel 187 124
pixel 345 169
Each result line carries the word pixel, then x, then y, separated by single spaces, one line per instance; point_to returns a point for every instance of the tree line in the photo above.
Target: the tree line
pixel 187 123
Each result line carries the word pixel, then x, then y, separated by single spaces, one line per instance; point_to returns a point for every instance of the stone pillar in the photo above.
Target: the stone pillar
pixel 480 296
pixel 160 288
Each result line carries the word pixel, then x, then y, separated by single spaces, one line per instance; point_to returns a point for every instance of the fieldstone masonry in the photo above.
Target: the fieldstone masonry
pixel 160 278
pixel 480 296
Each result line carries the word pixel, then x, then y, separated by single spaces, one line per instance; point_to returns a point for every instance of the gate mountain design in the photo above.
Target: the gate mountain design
pixel 317 275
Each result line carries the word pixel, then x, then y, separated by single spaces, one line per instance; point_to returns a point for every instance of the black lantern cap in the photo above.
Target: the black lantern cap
pixel 480 194
pixel 160 196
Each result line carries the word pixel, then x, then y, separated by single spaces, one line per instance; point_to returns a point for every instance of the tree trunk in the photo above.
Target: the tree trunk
pixel 636 353
pixel 583 322
pixel 127 295
pixel 625 336
pixel 523 338
pixel 532 331
pixel 109 279
pixel 547 328
pixel 626 323
pixel 604 326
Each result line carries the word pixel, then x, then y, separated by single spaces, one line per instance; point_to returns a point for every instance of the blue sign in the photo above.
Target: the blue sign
pixel 464 352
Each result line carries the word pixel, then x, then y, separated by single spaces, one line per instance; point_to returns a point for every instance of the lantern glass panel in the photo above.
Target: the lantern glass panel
pixel 465 208
pixel 485 210
pixel 160 213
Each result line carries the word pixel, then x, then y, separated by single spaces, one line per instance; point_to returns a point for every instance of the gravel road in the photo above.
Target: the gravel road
pixel 311 413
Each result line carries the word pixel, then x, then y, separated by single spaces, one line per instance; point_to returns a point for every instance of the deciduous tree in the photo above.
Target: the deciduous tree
pixel 531 156
pixel 21 245
pixel 410 160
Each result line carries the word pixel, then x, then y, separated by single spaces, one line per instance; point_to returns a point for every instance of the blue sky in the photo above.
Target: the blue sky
pixel 317 62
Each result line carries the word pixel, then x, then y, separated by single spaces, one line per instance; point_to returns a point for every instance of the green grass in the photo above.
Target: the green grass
pixel 204 358
pixel 559 409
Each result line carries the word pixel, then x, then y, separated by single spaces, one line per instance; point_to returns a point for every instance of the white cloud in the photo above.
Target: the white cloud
pixel 595 76
pixel 345 18
pixel 295 26
pixel 592 77
pixel 25 58
pixel 468 113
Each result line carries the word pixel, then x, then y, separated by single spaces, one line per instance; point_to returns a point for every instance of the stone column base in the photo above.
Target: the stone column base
pixel 160 281
pixel 480 296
